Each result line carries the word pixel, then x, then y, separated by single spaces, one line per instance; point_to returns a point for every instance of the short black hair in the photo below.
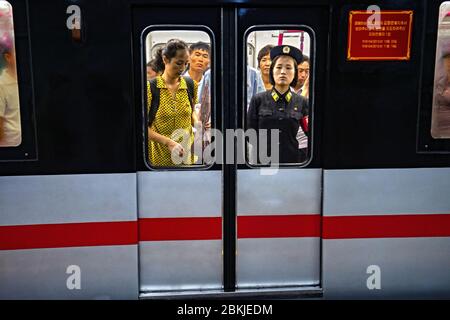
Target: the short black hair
pixel 152 64
pixel 274 61
pixel 306 59
pixel 264 52
pixel 200 46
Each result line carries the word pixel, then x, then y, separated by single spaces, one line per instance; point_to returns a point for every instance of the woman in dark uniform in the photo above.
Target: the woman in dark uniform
pixel 280 108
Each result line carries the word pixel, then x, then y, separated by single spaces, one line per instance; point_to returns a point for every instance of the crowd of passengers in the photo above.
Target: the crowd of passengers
pixel 178 97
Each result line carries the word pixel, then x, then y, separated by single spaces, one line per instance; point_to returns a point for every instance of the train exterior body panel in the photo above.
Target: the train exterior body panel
pixel 72 231
pixel 390 225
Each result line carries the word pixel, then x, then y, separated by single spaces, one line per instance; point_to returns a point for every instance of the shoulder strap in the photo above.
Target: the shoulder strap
pixel 190 89
pixel 154 104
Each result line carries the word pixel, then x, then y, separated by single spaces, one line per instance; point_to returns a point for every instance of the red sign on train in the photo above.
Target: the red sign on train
pixel 379 36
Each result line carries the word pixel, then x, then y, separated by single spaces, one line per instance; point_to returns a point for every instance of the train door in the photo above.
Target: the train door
pixel 223 225
pixel 179 208
pixel 278 213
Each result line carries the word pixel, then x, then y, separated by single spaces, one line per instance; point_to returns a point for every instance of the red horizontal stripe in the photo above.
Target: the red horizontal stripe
pixel 68 235
pixel 278 226
pixel 386 226
pixel 166 229
pixel 210 228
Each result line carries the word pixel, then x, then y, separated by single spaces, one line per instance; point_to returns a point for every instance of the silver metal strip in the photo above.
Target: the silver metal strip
pixel 300 292
pixel 107 272
pixel 386 191
pixel 287 192
pixel 179 194
pixel 409 268
pixel 180 265
pixel 278 262
pixel 67 198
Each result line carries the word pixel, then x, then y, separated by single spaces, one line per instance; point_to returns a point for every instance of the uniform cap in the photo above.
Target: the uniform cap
pixel 287 50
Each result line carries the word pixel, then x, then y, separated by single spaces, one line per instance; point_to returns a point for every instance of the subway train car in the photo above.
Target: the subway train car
pixel 85 213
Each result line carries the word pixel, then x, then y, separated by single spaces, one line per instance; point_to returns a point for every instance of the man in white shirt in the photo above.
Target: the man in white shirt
pixel 10 129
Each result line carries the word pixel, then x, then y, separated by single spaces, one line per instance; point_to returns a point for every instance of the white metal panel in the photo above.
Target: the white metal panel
pixel 185 264
pixel 409 268
pixel 386 191
pixel 107 272
pixel 180 265
pixel 180 194
pixel 67 198
pixel 278 261
pixel 289 191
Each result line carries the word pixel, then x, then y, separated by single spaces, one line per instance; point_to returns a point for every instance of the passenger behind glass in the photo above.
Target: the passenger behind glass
pixel 199 58
pixel 152 70
pixel 177 96
pixel 254 86
pixel 10 129
pixel 254 83
pixel 441 109
pixel 280 108
pixel 302 88
pixel 264 63
pixel 203 109
pixel 303 78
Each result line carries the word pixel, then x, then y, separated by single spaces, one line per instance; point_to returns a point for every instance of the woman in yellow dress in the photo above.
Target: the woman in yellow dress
pixel 177 96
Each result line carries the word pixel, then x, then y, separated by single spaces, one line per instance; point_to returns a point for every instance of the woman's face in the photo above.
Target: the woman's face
pixel 284 71
pixel 264 64
pixel 176 65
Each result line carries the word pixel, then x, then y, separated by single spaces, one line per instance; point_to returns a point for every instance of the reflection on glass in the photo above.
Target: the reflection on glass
pixel 440 121
pixel 178 97
pixel 278 99
pixel 10 129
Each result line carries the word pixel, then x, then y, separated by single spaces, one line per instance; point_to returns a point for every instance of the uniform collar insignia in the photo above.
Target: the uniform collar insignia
pixel 288 96
pixel 276 96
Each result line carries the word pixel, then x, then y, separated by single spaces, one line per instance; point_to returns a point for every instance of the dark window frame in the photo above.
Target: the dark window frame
pixel 312 55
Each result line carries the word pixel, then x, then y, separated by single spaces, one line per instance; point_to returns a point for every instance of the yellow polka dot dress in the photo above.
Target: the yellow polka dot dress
pixel 172 114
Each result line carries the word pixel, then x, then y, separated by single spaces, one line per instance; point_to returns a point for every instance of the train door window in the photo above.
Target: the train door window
pixel 179 112
pixel 278 103
pixel 440 119
pixel 10 125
